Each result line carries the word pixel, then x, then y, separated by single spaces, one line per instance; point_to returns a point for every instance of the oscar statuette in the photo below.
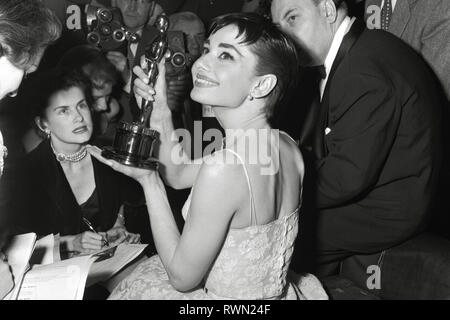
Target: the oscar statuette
pixel 134 142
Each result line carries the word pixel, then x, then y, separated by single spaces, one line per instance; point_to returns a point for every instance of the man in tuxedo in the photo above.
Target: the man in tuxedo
pixel 375 135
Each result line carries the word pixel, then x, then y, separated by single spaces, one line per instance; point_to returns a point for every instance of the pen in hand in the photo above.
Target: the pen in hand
pixel 86 221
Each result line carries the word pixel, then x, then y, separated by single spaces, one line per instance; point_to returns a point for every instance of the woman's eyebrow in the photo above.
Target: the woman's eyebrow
pixel 63 106
pixel 81 101
pixel 230 46
pixel 60 107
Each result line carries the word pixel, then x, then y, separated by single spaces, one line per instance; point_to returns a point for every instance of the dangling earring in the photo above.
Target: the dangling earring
pixel 250 97
pixel 48 133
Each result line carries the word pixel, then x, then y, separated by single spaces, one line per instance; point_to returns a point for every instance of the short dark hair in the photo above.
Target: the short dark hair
pixel 275 52
pixel 38 90
pixel 26 28
pixel 92 62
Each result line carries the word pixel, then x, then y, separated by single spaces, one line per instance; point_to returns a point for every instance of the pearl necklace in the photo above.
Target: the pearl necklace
pixel 73 157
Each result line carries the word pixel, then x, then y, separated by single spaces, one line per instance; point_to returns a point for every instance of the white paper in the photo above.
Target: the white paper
pixel 64 280
pixel 106 268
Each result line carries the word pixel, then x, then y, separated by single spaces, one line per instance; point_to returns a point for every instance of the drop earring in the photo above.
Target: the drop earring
pixel 250 97
pixel 47 133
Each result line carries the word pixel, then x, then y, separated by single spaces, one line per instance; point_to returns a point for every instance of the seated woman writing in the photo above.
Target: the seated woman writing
pixel 69 192
pixel 242 214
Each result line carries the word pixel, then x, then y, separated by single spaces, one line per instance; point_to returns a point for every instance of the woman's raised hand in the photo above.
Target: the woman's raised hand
pixel 158 94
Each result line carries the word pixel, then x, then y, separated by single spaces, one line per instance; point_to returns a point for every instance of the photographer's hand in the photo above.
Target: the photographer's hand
pixel 119 60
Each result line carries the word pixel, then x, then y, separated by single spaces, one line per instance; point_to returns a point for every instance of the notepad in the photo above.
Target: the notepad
pixel 41 275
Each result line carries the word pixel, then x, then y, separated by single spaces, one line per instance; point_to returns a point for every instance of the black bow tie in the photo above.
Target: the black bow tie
pixel 322 71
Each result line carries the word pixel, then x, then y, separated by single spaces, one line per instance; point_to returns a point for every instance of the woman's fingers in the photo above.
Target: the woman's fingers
pixel 161 84
pixel 140 73
pixel 92 241
pixel 144 63
pixel 139 83
pixel 138 174
pixel 144 93
pixel 97 153
pixel 141 88
pixel 133 238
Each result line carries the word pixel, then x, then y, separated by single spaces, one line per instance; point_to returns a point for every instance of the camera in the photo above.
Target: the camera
pixel 179 61
pixel 106 28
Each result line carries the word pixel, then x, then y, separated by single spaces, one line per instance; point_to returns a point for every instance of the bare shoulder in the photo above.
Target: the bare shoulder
pixel 289 147
pixel 221 183
pixel 223 164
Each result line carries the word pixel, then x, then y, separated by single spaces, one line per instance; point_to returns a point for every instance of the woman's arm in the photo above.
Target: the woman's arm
pixel 219 192
pixel 178 170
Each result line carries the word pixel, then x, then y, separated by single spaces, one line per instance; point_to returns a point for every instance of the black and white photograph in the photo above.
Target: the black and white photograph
pixel 224 154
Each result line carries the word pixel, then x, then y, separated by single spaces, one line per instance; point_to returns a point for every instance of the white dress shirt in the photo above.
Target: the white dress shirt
pixel 394 2
pixel 334 49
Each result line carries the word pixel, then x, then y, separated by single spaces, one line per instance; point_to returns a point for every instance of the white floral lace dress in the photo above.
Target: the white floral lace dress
pixel 252 264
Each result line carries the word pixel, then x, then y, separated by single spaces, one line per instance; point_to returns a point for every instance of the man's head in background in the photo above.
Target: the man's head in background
pixel 93 63
pixel 192 26
pixel 27 27
pixel 312 24
pixel 135 13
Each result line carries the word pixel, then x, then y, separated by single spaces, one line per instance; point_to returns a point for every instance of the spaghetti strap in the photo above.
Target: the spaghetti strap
pixel 287 135
pixel 252 203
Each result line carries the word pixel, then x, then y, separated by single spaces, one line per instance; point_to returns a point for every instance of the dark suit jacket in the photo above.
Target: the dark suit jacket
pixel 132 114
pixel 52 207
pixel 378 166
pixel 424 25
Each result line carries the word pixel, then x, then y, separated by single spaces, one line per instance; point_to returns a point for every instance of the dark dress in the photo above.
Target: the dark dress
pixel 52 207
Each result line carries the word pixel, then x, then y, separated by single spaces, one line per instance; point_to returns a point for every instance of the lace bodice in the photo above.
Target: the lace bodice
pixel 252 264
pixel 254 261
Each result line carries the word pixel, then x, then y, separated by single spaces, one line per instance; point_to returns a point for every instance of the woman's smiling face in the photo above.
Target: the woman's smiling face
pixel 225 73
